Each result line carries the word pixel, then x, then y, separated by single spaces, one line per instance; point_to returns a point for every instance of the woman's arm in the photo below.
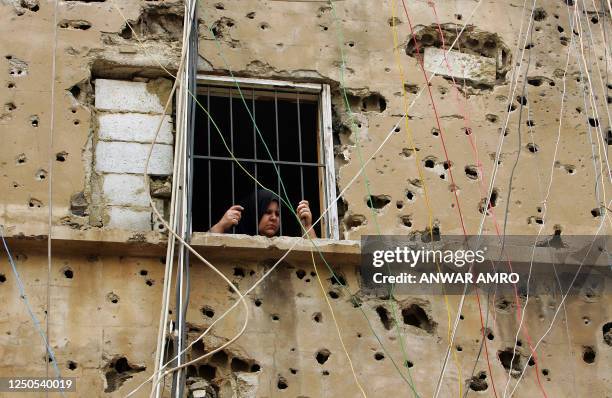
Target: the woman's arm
pixel 229 219
pixel 303 212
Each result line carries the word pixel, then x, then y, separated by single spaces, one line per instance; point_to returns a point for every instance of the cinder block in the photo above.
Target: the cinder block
pixel 119 95
pixel 480 70
pixel 130 157
pixel 125 189
pixel 129 219
pixel 134 127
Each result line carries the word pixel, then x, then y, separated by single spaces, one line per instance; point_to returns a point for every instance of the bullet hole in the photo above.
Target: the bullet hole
pixel 351 44
pixel 77 24
pixel 337 279
pixel 530 123
pixel 570 169
pixel 429 163
pixel 531 362
pixel 238 365
pixel 35 203
pixel 251 15
pixel 588 354
pixel 539 14
pixel 207 311
pixel 379 356
pixel 9 107
pixel 535 81
pixel 596 212
pixel 322 356
pixel 478 383
pixel 150 282
pixel 373 103
pixel 333 294
pixel 446 165
pixel 491 118
pixel 2 278
pixel 10 85
pixel 467 130
pixel 119 370
pixel 207 372
pixel 255 368
pixel 492 202
pixel 313 274
pixel 593 122
pixel 34 121
pixel 219 6
pixel 72 365
pixel 275 317
pixel 594 19
pixel 410 195
pixel 502 305
pixel 219 358
pixel 511 108
pixel 606 331
pixel 112 297
pixel 317 317
pixel 489 334
pixel 76 122
pixel 264 26
pixel 378 201
pixel 257 303
pixel 435 132
pixel 325 373
pixel 408 364
pixel 560 29
pixel 406 221
pixel 471 172
pixel 354 221
pixel 61 156
pixel 507 357
pixel 519 343
pixel 300 273
pixel 239 272
pixel 533 148
pixel 144 272
pixel 383 314
pixel 358 335
pixel 41 174
pixel 68 273
pixel 563 40
pixel 521 100
pixel 411 88
pixel 586 320
pixel 459 348
pixel 399 204
pixel 416 316
pixel 529 46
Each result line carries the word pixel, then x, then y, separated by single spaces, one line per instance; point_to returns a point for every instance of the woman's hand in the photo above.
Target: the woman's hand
pixel 303 212
pixel 230 218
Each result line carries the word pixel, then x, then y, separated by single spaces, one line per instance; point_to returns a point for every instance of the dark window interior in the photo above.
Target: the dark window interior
pixel 276 114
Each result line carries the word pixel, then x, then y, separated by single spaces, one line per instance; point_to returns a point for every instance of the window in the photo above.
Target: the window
pixel 294 120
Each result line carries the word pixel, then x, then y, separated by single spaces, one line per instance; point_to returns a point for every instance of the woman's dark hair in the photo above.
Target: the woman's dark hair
pixel 255 205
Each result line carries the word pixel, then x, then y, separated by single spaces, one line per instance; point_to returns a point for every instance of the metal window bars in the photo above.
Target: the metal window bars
pixel 300 93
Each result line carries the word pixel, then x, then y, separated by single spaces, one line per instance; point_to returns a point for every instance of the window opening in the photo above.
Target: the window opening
pixel 292 121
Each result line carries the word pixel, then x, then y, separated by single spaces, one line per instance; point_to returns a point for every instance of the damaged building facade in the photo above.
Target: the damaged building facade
pixel 522 96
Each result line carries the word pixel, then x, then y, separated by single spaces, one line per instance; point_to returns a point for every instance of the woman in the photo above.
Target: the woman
pixel 268 216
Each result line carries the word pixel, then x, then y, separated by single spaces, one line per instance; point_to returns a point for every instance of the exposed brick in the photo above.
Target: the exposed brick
pixel 134 127
pixel 119 95
pixel 125 189
pixel 129 219
pixel 129 157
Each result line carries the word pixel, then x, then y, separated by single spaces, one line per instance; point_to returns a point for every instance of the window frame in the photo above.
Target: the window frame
pixel 327 174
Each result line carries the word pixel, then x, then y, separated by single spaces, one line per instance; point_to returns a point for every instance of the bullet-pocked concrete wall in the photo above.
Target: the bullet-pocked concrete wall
pixel 104 312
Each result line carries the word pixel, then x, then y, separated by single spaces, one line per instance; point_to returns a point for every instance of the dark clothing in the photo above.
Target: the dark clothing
pixel 254 207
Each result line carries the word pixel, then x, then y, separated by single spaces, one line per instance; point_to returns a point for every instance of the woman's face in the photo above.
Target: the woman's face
pixel 270 222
